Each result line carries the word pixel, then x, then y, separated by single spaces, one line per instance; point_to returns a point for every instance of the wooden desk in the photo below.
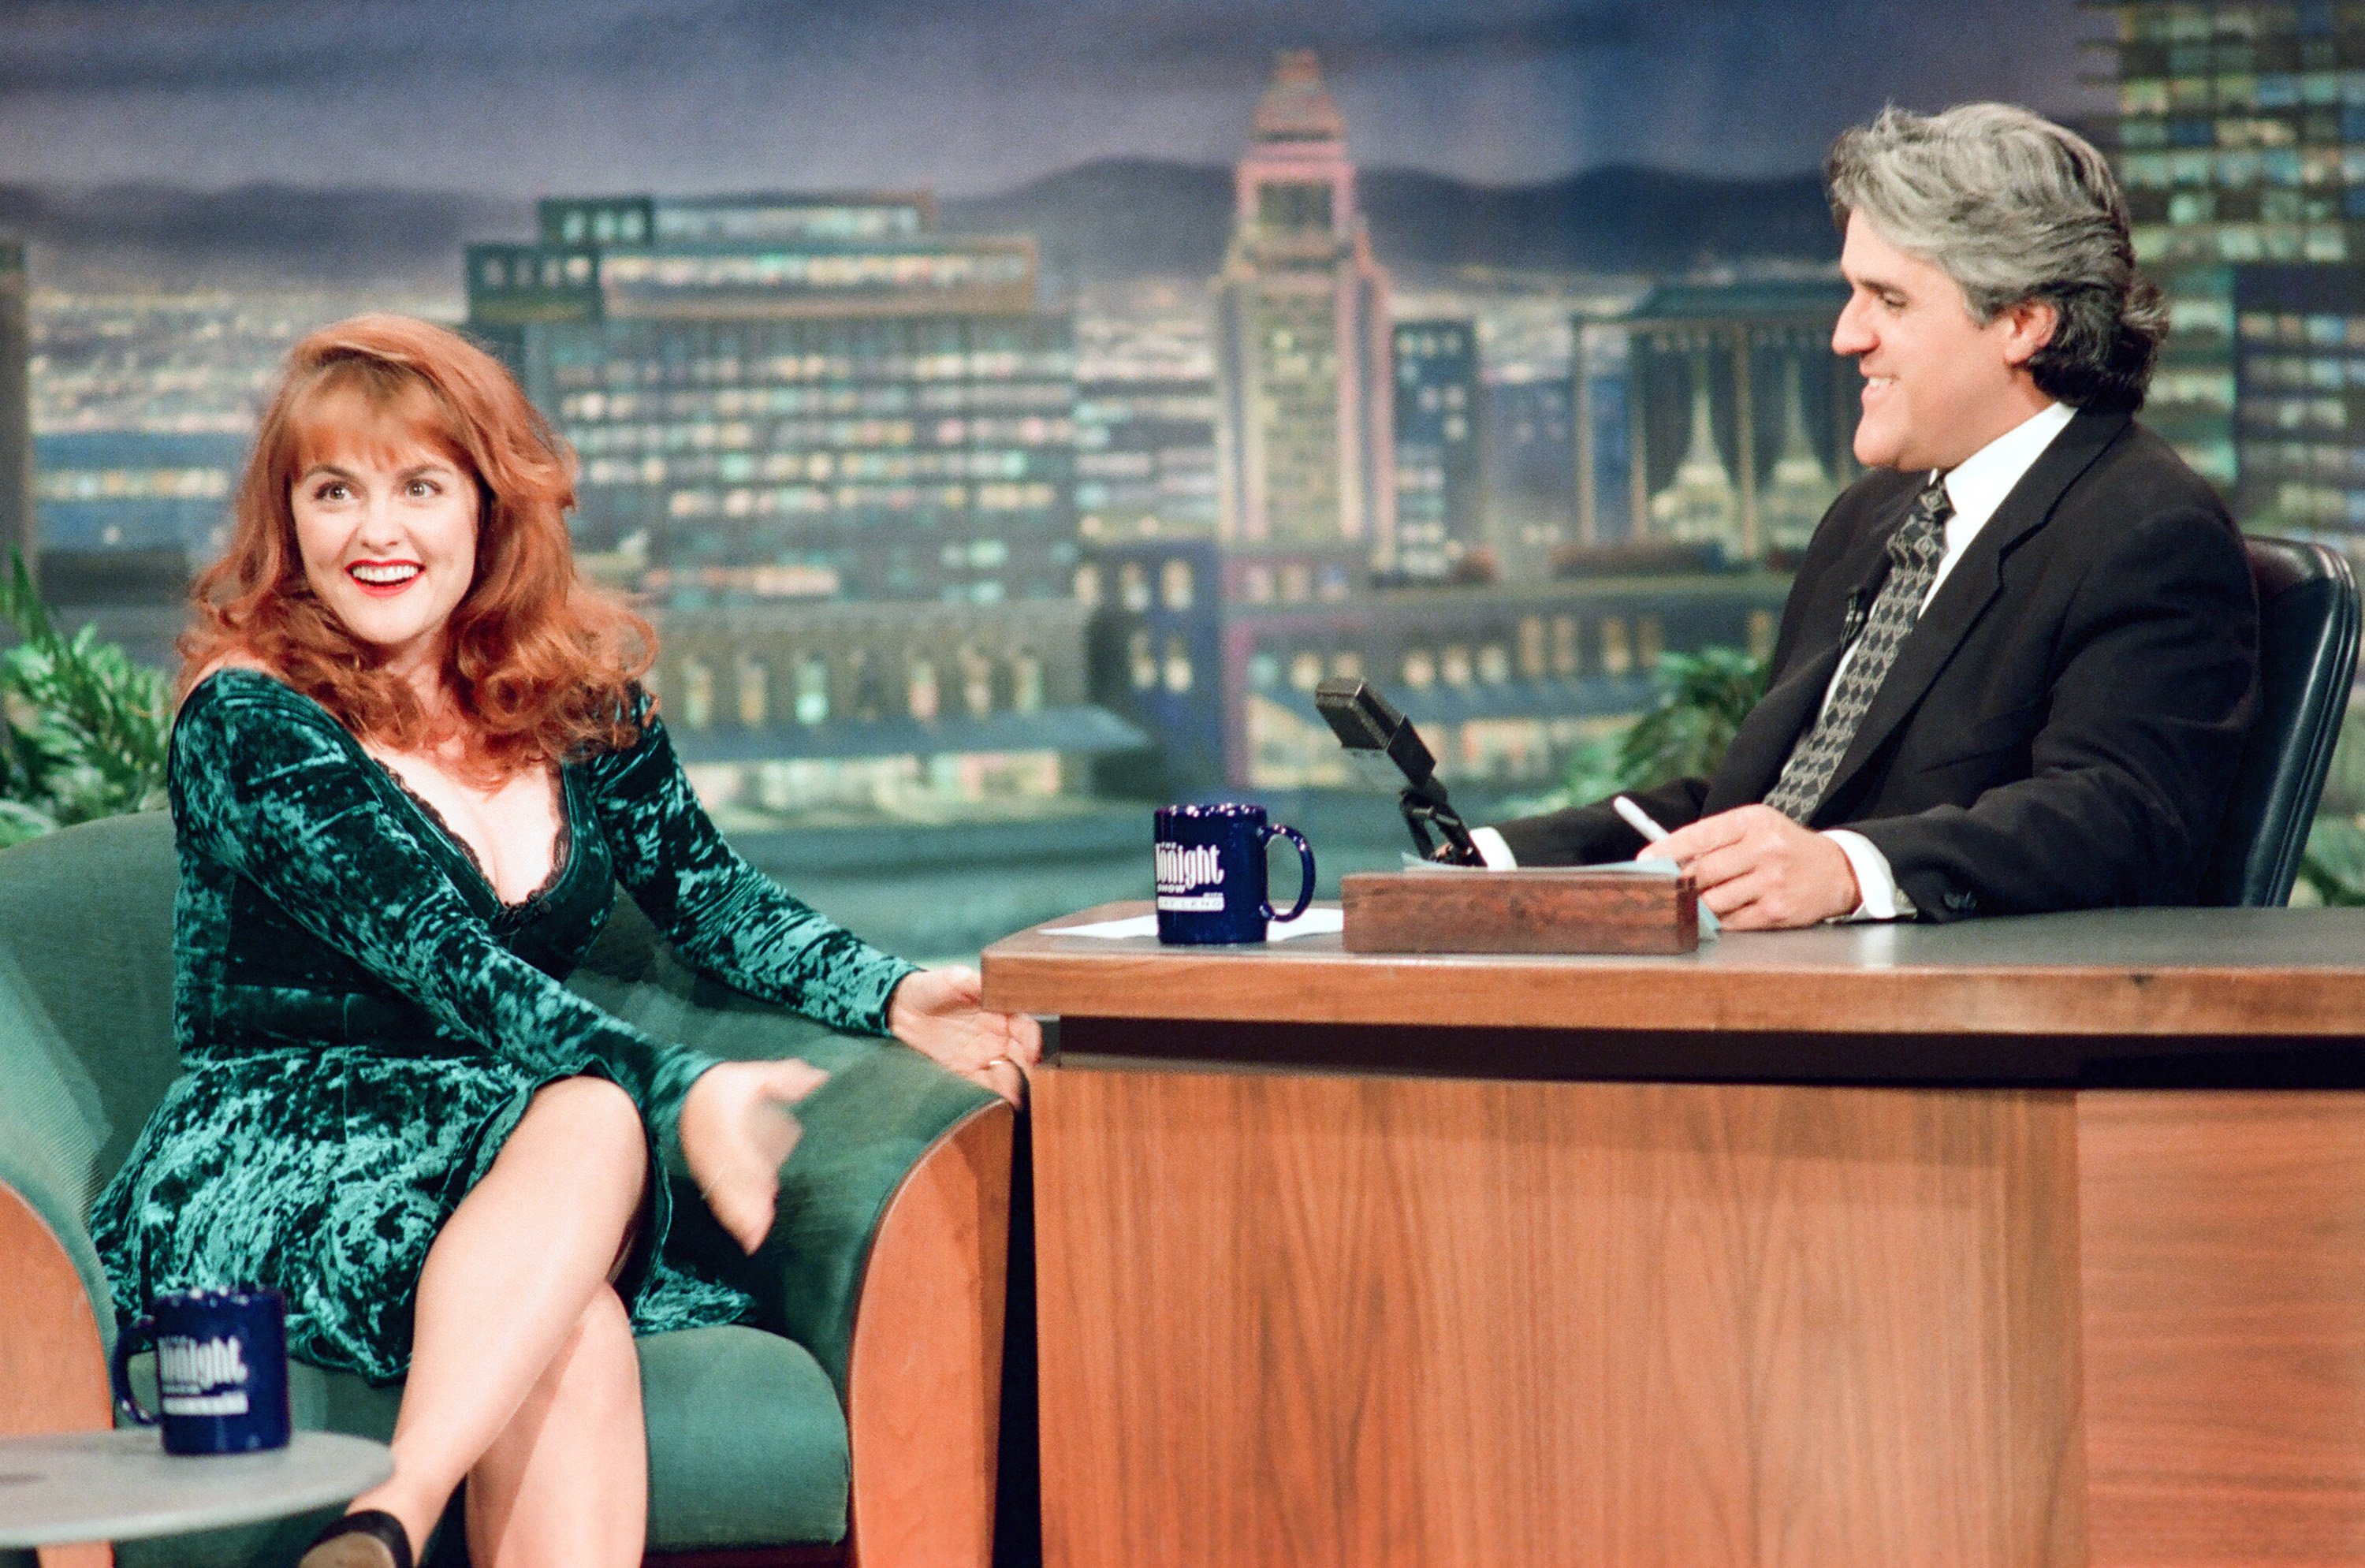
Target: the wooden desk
pixel 2015 1242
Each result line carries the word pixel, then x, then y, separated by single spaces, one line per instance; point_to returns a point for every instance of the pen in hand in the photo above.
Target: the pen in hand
pixel 1638 819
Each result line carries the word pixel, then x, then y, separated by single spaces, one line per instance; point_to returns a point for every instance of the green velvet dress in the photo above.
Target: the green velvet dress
pixel 361 1020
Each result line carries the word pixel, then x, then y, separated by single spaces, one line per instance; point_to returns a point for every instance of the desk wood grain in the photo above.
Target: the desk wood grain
pixel 1326 1320
pixel 1704 1322
pixel 2225 1318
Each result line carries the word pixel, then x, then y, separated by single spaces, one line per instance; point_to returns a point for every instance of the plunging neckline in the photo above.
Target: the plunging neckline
pixel 563 855
pixel 562 848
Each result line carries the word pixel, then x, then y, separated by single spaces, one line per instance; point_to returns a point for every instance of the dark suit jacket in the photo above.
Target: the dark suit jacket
pixel 2059 729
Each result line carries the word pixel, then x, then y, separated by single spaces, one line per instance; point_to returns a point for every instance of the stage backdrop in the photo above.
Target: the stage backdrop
pixel 1008 414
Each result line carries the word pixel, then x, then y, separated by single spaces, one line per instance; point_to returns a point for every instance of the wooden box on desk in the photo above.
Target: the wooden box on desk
pixel 1555 909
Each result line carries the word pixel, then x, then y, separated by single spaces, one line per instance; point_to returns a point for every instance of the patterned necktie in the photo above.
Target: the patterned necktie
pixel 1915 551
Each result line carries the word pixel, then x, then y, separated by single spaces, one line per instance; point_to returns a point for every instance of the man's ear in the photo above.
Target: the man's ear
pixel 2029 325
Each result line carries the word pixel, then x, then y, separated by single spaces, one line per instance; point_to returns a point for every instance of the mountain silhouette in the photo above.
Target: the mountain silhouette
pixel 1111 219
pixel 1120 218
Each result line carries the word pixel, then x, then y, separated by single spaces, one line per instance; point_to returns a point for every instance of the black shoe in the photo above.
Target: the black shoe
pixel 371 1539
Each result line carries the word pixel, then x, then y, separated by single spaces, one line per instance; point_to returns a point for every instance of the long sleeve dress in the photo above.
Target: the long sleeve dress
pixel 360 1019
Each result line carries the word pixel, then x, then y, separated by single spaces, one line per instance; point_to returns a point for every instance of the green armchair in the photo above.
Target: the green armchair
pixel 859 1420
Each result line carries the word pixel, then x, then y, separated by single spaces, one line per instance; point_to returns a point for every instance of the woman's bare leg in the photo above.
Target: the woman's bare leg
pixel 506 1284
pixel 567 1483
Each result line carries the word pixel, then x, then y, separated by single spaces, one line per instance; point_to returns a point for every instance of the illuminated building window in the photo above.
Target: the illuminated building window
pixel 812 690
pixel 697 695
pixel 977 683
pixel 1616 654
pixel 1650 640
pixel 754 679
pixel 1026 681
pixel 1760 634
pixel 1494 664
pixel 1420 669
pixel 1264 671
pixel 1297 583
pixel 1141 661
pixel 1175 584
pixel 1294 204
pixel 1455 666
pixel 1531 647
pixel 1133 586
pixel 920 694
pixel 1305 671
pixel 1257 583
pixel 1348 665
pixel 1564 636
pixel 1178 666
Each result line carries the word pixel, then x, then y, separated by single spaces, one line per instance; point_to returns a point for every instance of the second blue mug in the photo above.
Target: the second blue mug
pixel 221 1370
pixel 1211 873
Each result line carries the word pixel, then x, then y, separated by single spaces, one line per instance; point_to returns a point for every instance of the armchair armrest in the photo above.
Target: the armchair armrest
pixel 52 1364
pixel 888 1258
pixel 56 1313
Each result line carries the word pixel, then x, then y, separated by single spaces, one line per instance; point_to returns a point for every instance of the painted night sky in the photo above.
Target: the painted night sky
pixel 511 97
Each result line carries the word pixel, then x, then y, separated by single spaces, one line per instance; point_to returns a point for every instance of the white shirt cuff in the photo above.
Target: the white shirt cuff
pixel 1880 897
pixel 1493 850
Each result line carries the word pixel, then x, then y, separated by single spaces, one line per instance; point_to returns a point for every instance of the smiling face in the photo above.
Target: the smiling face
pixel 386 522
pixel 1937 386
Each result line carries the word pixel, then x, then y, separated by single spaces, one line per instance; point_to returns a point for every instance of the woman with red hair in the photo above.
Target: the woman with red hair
pixel 411 762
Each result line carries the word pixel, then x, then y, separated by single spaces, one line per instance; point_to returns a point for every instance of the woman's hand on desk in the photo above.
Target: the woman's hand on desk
pixel 941 1014
pixel 736 1132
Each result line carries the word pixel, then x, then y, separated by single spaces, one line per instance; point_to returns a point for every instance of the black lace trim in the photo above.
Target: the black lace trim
pixel 558 861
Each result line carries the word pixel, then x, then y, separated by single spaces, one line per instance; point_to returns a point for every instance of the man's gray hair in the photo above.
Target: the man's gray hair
pixel 2013 207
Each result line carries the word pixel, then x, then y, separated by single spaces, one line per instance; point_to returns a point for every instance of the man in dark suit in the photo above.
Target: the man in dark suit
pixel 2019 659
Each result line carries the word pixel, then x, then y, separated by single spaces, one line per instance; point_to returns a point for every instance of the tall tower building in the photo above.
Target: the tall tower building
pixel 18 528
pixel 1303 437
pixel 2240 137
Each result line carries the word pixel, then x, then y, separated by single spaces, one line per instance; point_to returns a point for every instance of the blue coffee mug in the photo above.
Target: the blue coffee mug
pixel 221 1370
pixel 1211 873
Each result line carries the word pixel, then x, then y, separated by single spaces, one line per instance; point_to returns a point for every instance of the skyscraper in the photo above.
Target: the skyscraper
pixel 2300 401
pixel 2240 137
pixel 780 397
pixel 1303 441
pixel 1438 510
pixel 19 529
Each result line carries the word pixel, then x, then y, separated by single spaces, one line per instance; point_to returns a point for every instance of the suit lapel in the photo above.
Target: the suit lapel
pixel 1766 737
pixel 1972 586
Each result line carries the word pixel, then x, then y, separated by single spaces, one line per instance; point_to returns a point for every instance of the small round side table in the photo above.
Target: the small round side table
pixel 121 1486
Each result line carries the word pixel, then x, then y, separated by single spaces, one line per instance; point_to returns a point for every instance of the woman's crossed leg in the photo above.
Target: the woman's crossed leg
pixel 524 1380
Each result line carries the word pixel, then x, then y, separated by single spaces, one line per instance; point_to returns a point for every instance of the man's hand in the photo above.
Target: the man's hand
pixel 939 1013
pixel 736 1132
pixel 1761 871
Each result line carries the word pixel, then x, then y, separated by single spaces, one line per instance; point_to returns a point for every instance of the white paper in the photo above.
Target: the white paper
pixel 1114 930
pixel 1313 922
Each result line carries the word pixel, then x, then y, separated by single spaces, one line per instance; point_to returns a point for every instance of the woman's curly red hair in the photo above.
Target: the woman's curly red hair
pixel 538 663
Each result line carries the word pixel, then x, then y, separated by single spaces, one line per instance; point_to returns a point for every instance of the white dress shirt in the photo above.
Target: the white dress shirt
pixel 1977 486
